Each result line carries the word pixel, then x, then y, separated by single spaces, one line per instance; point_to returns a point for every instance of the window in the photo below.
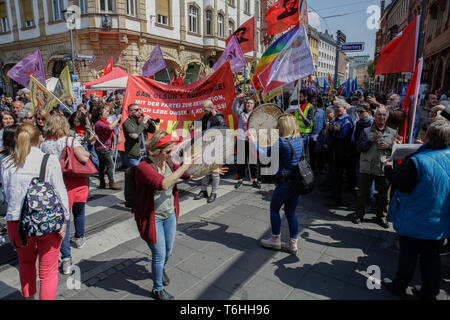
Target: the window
pixel 247 6
pixel 220 26
pixel 230 28
pixel 131 8
pixel 440 16
pixel 193 19
pixel 106 5
pixel 83 6
pixel 430 28
pixel 230 3
pixel 4 24
pixel 208 22
pixel 162 11
pixel 27 10
pixel 57 8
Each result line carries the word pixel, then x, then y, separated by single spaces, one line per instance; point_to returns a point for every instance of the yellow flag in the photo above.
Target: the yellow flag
pixel 63 89
pixel 41 97
pixel 272 94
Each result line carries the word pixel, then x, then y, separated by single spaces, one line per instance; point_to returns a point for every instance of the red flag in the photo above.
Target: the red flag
pixel 281 15
pixel 413 90
pixel 399 55
pixel 245 35
pixel 176 82
pixel 108 67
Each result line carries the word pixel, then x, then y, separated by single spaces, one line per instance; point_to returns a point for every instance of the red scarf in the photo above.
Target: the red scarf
pixel 79 130
pixel 54 138
pixel 104 121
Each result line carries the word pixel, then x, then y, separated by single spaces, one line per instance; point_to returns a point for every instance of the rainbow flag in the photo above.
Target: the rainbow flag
pixel 270 55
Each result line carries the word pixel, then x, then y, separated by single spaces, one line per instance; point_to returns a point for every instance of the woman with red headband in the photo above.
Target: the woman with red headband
pixel 157 205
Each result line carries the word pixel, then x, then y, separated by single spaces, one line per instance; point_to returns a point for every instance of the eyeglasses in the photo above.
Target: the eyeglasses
pixel 361 111
pixel 40 119
pixel 30 118
pixel 381 114
pixel 139 109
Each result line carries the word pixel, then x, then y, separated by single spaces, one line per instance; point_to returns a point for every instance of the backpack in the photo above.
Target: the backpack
pixel 302 179
pixel 42 210
pixel 129 191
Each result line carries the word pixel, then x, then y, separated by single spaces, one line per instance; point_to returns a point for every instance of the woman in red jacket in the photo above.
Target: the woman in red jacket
pixel 157 206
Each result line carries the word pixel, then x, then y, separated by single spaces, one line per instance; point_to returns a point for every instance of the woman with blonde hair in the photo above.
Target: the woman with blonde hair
pixel 157 206
pixel 56 133
pixel 17 171
pixel 42 116
pixel 289 149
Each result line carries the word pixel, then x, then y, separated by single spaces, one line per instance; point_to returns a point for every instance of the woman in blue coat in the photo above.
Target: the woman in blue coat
pixel 283 195
pixel 420 212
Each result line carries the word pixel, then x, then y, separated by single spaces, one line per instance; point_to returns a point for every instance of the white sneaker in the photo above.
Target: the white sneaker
pixel 273 243
pixel 80 242
pixel 291 247
pixel 66 266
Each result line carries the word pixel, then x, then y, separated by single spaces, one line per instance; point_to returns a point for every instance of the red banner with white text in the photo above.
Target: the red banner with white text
pixel 178 107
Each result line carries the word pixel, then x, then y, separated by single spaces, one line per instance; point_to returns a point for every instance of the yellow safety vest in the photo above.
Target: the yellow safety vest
pixel 303 127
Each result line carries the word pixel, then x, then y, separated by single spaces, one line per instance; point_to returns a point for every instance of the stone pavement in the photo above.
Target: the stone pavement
pixel 217 256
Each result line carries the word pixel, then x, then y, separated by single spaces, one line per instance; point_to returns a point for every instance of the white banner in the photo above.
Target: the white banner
pixel 295 61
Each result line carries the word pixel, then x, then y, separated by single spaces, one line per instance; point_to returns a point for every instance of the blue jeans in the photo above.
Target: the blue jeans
pixel 162 249
pixel 133 162
pixel 79 220
pixel 305 137
pixel 283 195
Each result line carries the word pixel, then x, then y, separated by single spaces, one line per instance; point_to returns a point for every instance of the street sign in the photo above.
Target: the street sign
pixel 84 57
pixel 353 47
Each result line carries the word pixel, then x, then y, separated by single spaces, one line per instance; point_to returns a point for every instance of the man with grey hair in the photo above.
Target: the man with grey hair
pixel 210 119
pixel 16 106
pixel 375 144
pixel 25 115
pixel 24 95
pixel 394 101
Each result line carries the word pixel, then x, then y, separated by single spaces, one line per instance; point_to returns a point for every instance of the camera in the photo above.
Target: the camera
pixel 156 121
pixel 335 128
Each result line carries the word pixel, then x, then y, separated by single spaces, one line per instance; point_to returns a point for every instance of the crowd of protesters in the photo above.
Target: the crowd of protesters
pixel 347 140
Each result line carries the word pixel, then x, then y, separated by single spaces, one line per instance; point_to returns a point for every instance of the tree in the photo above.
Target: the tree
pixel 371 69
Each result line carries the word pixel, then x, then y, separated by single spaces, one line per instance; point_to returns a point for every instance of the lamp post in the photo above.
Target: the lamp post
pixel 67 14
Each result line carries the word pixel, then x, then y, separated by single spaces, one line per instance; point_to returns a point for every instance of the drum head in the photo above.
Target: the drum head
pixel 216 146
pixel 262 120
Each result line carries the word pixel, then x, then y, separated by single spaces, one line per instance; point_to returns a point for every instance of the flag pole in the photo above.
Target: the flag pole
pixel 168 75
pixel 256 92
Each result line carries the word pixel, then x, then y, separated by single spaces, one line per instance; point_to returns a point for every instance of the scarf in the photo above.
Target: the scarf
pixel 79 130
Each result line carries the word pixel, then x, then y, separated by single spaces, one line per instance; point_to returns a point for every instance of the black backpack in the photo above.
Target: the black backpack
pixel 302 179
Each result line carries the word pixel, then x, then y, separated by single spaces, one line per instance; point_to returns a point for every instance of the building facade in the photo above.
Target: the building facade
pixel 327 56
pixel 191 34
pixel 436 42
pixel 314 40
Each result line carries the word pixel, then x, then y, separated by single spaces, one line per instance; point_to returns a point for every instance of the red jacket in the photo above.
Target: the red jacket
pixel 147 177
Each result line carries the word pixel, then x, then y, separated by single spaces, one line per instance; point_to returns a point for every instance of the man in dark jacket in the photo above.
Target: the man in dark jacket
pixel 340 146
pixel 135 131
pixel 211 118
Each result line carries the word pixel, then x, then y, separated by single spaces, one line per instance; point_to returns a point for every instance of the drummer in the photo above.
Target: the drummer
pixel 242 107
pixel 211 118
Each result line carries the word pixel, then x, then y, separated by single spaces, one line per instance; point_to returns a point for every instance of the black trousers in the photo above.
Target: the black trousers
pixel 430 264
pixel 382 187
pixel 241 166
pixel 105 164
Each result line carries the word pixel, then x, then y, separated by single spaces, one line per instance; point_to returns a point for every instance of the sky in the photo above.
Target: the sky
pixel 356 23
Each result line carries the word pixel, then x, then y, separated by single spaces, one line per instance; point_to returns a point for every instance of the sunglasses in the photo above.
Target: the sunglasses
pixel 136 110
pixel 40 119
pixel 30 118
pixel 361 111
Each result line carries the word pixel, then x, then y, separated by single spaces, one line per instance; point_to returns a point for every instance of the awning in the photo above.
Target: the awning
pixel 115 74
pixel 115 84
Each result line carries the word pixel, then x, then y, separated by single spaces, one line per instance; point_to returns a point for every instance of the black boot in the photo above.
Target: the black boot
pixel 212 197
pixel 162 295
pixel 201 195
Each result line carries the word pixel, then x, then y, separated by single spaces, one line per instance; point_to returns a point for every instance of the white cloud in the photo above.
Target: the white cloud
pixel 314 20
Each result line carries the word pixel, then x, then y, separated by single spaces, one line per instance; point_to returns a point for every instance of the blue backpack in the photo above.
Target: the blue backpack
pixel 42 210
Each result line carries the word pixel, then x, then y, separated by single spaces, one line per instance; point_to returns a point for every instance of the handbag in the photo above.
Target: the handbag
pixel 302 180
pixel 71 166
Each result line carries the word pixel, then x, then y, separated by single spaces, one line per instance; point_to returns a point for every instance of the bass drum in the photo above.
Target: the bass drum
pixel 216 146
pixel 262 120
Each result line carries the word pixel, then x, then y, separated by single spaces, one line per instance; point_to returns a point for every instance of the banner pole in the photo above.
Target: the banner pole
pixel 256 92
pixel 168 75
